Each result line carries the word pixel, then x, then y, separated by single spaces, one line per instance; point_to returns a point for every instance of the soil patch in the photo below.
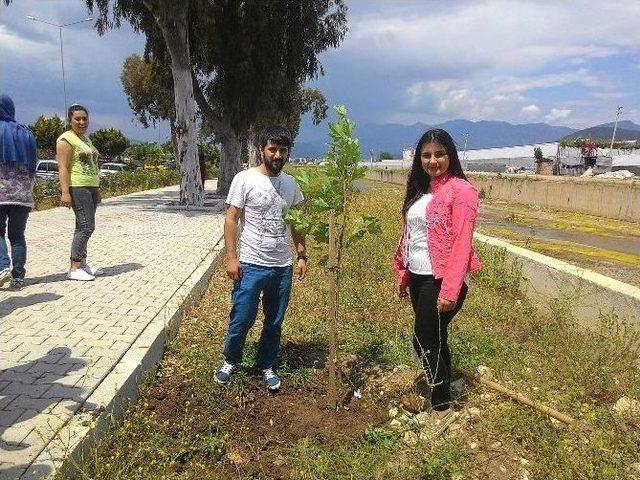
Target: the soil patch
pixel 263 424
pixel 167 399
pixel 292 415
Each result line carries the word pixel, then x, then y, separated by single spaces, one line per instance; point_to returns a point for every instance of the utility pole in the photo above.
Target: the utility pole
pixel 464 151
pixel 615 127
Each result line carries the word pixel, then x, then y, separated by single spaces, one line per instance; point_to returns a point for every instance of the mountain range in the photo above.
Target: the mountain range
pixel 391 137
pixel 627 130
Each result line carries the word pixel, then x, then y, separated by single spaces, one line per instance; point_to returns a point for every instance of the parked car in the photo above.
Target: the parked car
pixel 47 169
pixel 109 168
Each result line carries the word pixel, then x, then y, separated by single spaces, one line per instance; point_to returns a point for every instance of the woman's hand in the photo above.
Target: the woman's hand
pixel 65 199
pixel 401 290
pixel 445 305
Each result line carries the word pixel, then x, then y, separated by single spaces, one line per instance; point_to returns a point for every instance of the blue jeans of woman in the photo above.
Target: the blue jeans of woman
pixel 84 201
pixel 275 285
pixel 13 221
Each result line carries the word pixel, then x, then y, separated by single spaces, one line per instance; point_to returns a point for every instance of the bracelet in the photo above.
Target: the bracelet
pixel 302 257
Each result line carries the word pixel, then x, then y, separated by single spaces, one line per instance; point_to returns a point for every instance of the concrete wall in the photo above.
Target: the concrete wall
pixel 588 295
pixel 595 196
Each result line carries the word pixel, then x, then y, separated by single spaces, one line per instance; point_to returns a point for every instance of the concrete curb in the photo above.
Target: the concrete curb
pixel 593 196
pixel 105 405
pixel 588 295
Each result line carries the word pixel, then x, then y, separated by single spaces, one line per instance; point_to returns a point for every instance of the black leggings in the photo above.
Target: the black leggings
pixel 433 349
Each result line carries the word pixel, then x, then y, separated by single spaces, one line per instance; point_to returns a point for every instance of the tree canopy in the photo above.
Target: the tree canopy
pixel 47 130
pixel 109 141
pixel 248 59
pixel 149 89
pixel 255 58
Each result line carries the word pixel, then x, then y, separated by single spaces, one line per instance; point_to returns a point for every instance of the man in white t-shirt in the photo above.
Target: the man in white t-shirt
pixel 262 263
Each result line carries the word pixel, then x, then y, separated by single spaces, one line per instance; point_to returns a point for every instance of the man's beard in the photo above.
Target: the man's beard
pixel 274 166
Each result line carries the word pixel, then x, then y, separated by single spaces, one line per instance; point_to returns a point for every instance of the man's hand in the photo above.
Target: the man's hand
pixel 401 291
pixel 445 305
pixel 234 269
pixel 65 199
pixel 301 269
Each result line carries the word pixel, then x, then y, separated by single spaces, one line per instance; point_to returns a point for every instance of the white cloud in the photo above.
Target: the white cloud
pixel 530 112
pixel 504 35
pixel 14 45
pixel 557 114
pixel 581 77
pixel 485 97
pixel 450 98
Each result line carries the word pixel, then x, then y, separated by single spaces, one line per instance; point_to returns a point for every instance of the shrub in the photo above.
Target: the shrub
pixel 47 130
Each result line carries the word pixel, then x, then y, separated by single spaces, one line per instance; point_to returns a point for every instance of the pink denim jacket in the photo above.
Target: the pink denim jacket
pixel 451 217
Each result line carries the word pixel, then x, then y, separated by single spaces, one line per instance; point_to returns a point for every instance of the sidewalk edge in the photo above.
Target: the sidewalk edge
pixel 120 387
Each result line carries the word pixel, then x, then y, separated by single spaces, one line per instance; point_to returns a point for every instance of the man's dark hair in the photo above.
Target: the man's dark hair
pixel 277 134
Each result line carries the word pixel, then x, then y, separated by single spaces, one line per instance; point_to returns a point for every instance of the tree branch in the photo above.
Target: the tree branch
pixel 208 112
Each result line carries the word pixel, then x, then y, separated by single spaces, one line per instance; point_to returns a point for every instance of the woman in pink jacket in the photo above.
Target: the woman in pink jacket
pixel 435 254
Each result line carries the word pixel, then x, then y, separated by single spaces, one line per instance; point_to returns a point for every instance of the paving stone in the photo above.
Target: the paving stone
pixel 60 339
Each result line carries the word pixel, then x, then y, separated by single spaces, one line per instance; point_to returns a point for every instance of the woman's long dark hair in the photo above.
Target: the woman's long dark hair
pixel 74 108
pixel 418 181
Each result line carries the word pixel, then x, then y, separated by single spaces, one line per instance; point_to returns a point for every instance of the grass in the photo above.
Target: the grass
pixel 534 216
pixel 555 247
pixel 185 426
pixel 619 265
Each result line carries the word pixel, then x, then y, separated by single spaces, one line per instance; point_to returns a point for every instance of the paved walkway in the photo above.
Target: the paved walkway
pixel 59 340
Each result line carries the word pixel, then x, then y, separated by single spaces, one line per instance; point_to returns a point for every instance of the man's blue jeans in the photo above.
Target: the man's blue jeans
pixel 275 285
pixel 13 220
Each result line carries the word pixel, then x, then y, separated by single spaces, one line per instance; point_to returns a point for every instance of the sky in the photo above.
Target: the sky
pixel 569 62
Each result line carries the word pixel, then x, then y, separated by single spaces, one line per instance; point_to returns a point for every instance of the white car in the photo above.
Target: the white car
pixel 47 169
pixel 108 168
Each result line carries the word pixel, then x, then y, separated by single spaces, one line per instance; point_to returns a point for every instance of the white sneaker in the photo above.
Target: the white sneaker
pixel 80 275
pixel 271 380
pixel 95 271
pixel 5 276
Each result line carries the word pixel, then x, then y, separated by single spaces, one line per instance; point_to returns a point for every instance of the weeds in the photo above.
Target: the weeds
pixel 186 426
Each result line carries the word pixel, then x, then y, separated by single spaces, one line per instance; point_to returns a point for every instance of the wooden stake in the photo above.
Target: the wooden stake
pixel 333 315
pixel 518 397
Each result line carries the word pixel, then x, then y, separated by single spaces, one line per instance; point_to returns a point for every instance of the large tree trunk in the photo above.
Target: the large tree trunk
pixel 172 19
pixel 230 160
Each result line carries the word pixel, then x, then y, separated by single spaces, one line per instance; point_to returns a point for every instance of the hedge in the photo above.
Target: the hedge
pixel 47 193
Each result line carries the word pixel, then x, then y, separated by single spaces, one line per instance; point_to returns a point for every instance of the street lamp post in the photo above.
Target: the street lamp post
pixel 60 27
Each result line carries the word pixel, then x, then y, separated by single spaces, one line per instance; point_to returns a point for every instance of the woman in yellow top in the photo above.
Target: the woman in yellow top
pixel 79 184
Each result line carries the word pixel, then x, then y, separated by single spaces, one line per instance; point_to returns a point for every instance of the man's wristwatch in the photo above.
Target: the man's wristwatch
pixel 302 256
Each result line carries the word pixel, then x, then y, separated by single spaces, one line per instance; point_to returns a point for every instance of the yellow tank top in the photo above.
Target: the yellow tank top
pixel 84 160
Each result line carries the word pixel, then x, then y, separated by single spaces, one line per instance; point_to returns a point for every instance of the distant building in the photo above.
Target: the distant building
pixel 407 155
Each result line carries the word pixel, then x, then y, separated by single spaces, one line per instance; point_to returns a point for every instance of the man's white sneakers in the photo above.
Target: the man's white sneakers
pixel 80 275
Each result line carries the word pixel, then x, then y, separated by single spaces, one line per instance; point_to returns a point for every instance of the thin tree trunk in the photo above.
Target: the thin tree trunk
pixel 230 161
pixel 334 370
pixel 254 152
pixel 172 19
